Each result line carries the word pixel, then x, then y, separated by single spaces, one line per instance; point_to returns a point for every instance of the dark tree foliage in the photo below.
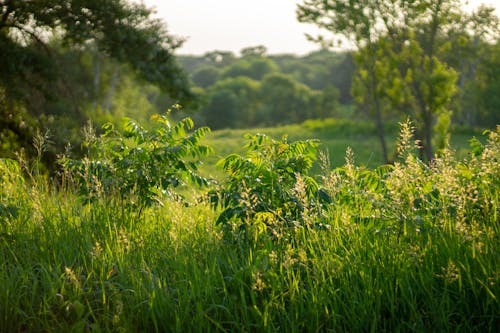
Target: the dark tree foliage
pixel 30 61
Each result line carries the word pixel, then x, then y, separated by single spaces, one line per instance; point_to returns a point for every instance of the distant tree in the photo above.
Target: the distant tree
pixel 239 110
pixel 222 109
pixel 484 97
pixel 253 67
pixel 219 58
pixel 284 100
pixel 325 103
pixel 206 76
pixel 260 67
pixel 319 69
pixel 341 75
pixel 254 51
pixel 241 67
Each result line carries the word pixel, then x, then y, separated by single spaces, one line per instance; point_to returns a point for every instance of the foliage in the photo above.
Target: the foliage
pixel 481 97
pixel 268 189
pixel 45 81
pixel 141 164
pixel 260 90
pixel 285 101
pixel 408 245
pixel 402 50
pixel 232 102
pixel 412 247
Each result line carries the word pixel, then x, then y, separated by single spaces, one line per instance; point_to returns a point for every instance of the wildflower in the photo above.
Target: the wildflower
pixel 96 250
pixel 450 273
pixel 258 284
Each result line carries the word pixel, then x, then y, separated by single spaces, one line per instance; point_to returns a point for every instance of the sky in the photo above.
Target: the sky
pixel 231 25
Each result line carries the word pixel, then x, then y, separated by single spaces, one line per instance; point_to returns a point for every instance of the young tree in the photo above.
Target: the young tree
pixel 402 39
pixel 360 22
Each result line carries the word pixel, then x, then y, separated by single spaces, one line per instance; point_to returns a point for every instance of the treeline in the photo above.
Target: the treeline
pixel 256 89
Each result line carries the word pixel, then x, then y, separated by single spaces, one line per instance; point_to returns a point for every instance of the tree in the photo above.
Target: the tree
pixel 30 61
pixel 254 51
pixel 326 103
pixel 401 44
pixel 254 67
pixel 284 100
pixel 206 76
pixel 232 102
pixel 484 96
pixel 221 110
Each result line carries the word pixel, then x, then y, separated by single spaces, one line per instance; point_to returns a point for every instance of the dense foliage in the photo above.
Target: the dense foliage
pixel 59 59
pixel 140 165
pixel 268 190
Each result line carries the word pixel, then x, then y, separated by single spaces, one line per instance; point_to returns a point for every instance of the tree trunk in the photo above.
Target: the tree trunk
pixel 429 155
pixel 380 131
pixel 97 79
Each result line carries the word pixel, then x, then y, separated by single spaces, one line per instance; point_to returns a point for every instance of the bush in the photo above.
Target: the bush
pixel 140 164
pixel 269 189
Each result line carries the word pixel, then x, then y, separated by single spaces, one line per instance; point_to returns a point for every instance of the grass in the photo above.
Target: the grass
pixel 336 135
pixel 400 258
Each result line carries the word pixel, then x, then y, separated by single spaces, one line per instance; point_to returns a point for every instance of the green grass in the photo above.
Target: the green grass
pixel 336 135
pixel 401 258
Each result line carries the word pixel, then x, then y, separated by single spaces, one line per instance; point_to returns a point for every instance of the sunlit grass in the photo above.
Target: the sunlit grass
pixel 388 261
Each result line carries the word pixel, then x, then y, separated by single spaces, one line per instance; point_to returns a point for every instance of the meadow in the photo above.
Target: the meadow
pixel 287 239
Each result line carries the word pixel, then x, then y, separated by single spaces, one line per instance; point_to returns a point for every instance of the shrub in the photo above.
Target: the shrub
pixel 140 164
pixel 268 190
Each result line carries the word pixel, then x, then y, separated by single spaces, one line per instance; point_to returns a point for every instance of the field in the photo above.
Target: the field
pixel 335 135
pixel 349 246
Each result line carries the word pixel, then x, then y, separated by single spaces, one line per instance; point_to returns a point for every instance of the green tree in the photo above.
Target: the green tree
pixel 396 36
pixel 484 97
pixel 326 103
pixel 254 67
pixel 206 76
pixel 232 102
pixel 32 64
pixel 222 109
pixel 284 100
pixel 254 51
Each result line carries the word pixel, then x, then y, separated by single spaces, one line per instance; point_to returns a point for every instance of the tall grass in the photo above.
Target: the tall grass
pixel 411 247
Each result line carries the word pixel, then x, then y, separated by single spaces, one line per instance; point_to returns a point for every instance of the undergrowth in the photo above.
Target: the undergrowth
pixel 403 247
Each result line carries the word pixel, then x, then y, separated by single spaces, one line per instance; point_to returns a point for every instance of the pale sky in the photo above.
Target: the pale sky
pixel 231 25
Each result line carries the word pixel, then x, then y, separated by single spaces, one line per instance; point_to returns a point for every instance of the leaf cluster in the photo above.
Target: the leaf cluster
pixel 269 188
pixel 141 164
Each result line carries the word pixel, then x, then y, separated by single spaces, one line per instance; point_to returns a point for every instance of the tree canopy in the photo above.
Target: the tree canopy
pixel 35 37
pixel 402 54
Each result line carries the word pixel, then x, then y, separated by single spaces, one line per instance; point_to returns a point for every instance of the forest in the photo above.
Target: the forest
pixel 352 189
